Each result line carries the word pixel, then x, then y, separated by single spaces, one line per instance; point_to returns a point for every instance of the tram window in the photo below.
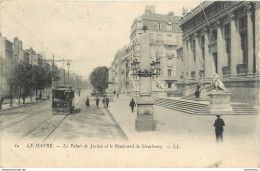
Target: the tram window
pixel 59 95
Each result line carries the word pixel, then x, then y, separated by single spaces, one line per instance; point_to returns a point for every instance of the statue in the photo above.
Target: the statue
pixel 217 83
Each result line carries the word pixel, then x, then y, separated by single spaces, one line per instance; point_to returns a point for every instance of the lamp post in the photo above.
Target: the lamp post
pixel 145 70
pixel 64 73
pixel 68 64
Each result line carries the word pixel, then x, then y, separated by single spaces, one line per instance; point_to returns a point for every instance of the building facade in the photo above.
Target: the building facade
pixel 222 37
pixel 165 37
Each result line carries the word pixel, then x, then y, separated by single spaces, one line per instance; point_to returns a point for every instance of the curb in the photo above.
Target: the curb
pixel 22 105
pixel 118 127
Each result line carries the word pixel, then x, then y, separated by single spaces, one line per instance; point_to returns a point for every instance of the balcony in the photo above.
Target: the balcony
pixel 169 42
pixel 157 41
pixel 168 78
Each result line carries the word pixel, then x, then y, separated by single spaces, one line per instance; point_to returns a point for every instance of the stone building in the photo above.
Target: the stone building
pixel 165 37
pixel 222 37
pixel 6 60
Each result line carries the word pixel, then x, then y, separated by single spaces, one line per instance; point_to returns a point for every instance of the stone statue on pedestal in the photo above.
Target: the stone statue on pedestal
pixel 217 83
pixel 219 97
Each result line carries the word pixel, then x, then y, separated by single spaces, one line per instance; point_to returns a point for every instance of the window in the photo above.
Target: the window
pixel 202 45
pixel 169 72
pixel 243 37
pixel 169 26
pixel 213 35
pixel 194 49
pixel 177 39
pixel 169 37
pixel 169 85
pixel 228 42
pixel 159 26
pixel 242 22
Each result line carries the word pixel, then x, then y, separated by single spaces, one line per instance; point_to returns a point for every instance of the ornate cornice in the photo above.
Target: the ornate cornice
pixel 256 5
pixel 248 7
pixel 204 31
pixel 196 34
pixel 231 16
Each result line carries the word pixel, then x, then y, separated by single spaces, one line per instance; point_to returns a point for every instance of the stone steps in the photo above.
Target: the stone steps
pixel 197 108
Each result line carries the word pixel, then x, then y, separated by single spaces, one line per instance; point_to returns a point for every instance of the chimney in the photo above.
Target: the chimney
pixel 16 41
pixel 171 15
pixel 20 44
pixel 149 9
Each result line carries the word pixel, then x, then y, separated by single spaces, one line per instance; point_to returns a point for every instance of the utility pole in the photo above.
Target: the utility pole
pixel 53 62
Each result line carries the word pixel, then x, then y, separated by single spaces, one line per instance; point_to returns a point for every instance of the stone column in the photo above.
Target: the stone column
pixel 198 56
pixel 236 52
pixel 257 35
pixel 249 40
pixel 190 58
pixel 185 58
pixel 221 48
pixel 207 66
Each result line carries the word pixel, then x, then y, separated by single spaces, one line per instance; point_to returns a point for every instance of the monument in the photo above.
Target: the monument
pixel 145 110
pixel 219 97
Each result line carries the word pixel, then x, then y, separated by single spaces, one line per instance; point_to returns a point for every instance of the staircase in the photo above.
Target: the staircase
pixel 203 93
pixel 190 107
pixel 198 108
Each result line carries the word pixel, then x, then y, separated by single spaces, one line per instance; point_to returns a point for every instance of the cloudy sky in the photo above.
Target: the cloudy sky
pixel 89 33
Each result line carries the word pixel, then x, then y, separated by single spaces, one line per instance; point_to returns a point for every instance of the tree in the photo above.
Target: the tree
pixel 99 78
pixel 23 79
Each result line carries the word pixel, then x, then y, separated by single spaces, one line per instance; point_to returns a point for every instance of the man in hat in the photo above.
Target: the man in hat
pixel 219 123
pixel 132 105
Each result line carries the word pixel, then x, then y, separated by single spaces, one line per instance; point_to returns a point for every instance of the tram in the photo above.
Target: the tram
pixel 63 100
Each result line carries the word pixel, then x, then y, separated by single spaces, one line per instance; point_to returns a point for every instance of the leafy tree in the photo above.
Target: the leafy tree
pixel 23 78
pixel 99 78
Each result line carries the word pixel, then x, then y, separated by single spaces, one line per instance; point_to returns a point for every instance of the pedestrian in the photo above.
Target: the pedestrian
pixel 23 98
pixel 219 123
pixel 87 102
pixel 97 102
pixel 107 101
pixel 197 93
pixel 132 105
pixel 71 106
pixel 117 95
pixel 104 102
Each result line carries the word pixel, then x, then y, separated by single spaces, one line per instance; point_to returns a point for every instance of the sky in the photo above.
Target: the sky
pixel 87 32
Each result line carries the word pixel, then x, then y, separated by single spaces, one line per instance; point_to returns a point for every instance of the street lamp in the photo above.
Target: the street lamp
pixel 155 66
pixel 68 64
pixel 64 73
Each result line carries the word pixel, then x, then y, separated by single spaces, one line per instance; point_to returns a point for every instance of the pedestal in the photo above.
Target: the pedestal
pixel 145 115
pixel 219 102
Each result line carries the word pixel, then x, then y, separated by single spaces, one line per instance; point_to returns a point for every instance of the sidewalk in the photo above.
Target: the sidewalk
pixel 123 115
pixel 6 106
pixel 176 126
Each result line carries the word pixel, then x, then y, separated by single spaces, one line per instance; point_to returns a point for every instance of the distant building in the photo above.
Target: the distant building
pixel 6 60
pixel 222 37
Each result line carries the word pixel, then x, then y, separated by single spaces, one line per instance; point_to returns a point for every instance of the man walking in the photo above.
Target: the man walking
pixel 219 123
pixel 132 105
pixel 97 101
pixel 107 101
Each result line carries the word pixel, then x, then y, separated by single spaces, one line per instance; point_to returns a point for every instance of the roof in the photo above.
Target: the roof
pixel 160 17
pixel 164 18
pixel 63 87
